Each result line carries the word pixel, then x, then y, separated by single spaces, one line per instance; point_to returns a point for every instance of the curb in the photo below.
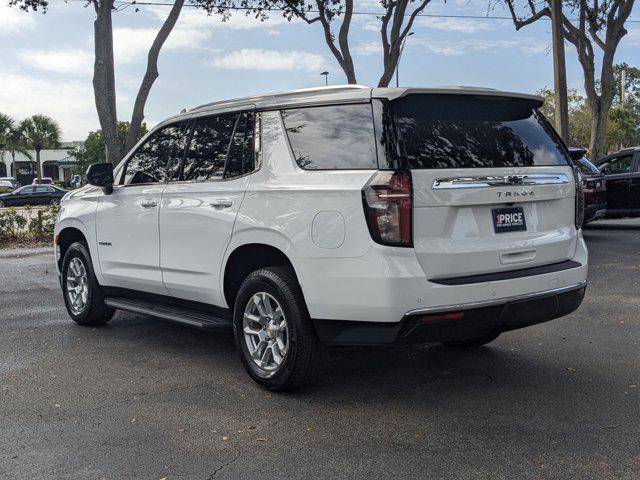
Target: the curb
pixel 24 252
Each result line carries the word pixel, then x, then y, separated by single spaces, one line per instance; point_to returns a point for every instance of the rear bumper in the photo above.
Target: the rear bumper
pixel 479 319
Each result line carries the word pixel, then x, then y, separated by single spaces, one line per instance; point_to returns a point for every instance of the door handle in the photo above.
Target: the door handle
pixel 221 203
pixel 148 203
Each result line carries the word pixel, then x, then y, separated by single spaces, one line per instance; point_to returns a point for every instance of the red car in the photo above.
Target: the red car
pixel 594 186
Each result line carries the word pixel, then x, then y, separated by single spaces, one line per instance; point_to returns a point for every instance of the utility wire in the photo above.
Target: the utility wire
pixel 376 14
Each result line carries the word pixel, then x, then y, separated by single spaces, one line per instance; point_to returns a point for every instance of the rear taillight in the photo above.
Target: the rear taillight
pixel 388 202
pixel 579 198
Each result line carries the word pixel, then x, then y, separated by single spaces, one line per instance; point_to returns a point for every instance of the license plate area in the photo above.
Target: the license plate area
pixel 509 219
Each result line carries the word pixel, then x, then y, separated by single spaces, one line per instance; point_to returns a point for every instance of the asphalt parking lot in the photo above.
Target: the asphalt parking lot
pixel 145 399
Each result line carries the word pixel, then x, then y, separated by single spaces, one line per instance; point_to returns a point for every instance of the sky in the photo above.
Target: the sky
pixel 47 59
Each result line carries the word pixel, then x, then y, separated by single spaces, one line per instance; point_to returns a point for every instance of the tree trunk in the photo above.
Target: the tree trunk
pixel 38 166
pixel 104 85
pixel 150 76
pixel 598 144
pixel 13 165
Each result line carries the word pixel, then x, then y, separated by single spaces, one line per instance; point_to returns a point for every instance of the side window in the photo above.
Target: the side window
pixel 41 189
pixel 26 190
pixel 207 153
pixel 153 160
pixel 618 165
pixel 337 137
pixel 241 156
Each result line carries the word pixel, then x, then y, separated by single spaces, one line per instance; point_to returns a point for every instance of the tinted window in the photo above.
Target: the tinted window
pixel 241 159
pixel 154 160
pixel 617 165
pixel 42 189
pixel 25 190
pixel 332 137
pixel 207 152
pixel 463 131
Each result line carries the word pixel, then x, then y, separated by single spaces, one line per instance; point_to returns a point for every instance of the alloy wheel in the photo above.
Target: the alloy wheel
pixel 266 332
pixel 77 285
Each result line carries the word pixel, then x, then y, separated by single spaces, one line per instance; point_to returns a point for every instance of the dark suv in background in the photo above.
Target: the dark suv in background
pixel 594 185
pixel 622 174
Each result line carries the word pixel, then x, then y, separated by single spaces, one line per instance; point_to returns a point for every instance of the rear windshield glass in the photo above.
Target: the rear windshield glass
pixel 464 131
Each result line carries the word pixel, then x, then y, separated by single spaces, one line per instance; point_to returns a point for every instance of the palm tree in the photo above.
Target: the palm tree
pixel 12 141
pixel 41 132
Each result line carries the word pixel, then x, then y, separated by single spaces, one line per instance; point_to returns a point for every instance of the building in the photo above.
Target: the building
pixel 57 164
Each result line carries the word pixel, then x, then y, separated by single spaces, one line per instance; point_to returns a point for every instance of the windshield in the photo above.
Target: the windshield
pixel 467 131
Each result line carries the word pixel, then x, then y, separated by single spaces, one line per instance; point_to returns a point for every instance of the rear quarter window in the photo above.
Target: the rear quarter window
pixel 466 131
pixel 336 137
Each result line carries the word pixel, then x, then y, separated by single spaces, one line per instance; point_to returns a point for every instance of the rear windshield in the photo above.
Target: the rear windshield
pixel 465 131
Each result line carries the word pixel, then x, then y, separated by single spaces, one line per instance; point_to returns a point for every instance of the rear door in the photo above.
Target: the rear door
pixel 634 185
pixel 199 210
pixel 493 189
pixel 618 171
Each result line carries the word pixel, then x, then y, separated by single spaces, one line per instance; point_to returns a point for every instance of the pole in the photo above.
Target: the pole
pixel 559 71
pixel 400 56
pixel 623 84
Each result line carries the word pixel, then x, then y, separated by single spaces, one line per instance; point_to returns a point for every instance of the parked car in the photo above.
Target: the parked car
pixel 594 185
pixel 32 195
pixel 43 181
pixel 622 173
pixel 6 184
pixel 337 216
pixel 11 180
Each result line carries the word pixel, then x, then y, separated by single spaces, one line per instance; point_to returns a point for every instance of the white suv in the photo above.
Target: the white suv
pixel 334 216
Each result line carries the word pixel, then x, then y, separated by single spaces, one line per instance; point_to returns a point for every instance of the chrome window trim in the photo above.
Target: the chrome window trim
pixel 500 181
pixel 497 301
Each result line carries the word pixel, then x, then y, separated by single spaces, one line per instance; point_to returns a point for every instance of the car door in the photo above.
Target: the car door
pixel 40 195
pixel 127 219
pixel 25 196
pixel 634 185
pixel 618 174
pixel 198 210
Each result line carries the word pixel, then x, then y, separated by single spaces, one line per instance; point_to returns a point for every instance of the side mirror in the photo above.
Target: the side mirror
pixel 101 175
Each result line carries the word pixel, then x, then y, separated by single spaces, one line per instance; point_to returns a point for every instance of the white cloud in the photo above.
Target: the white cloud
pixel 70 103
pixel 273 33
pixel 526 46
pixel 457 25
pixel 70 62
pixel 132 44
pixel 192 18
pixel 258 59
pixel 369 48
pixel 15 20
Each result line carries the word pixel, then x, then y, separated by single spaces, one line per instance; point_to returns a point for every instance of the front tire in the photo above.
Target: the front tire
pixel 278 346
pixel 82 293
pixel 54 201
pixel 471 342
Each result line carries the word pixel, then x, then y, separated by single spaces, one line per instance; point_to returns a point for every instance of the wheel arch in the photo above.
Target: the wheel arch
pixel 247 258
pixel 65 238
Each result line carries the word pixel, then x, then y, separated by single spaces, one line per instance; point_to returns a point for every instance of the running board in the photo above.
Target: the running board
pixel 182 315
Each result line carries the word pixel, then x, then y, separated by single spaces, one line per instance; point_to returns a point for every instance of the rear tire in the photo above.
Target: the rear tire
pixel 54 201
pixel 277 343
pixel 471 342
pixel 82 293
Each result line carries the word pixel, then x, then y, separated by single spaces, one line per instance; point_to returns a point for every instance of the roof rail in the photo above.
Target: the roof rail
pixel 330 88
